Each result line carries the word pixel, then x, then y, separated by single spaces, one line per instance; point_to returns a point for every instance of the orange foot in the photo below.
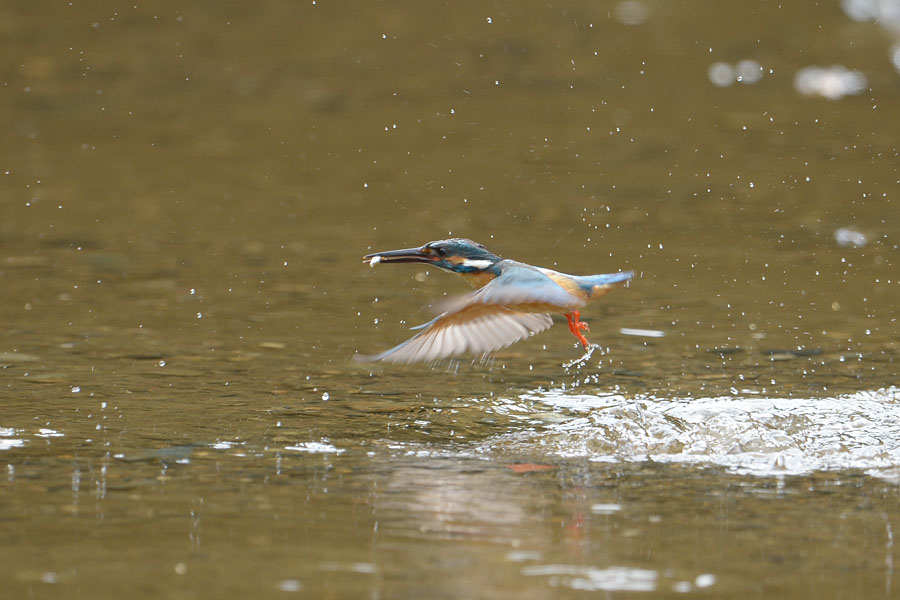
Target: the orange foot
pixel 576 326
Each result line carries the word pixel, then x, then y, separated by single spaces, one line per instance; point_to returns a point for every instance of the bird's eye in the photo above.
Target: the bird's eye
pixel 440 251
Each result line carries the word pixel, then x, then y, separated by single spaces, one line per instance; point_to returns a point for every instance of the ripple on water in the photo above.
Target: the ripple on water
pixel 594 579
pixel 8 439
pixel 757 435
pixel 322 447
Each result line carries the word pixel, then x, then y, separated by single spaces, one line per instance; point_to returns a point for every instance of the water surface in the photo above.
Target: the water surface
pixel 186 194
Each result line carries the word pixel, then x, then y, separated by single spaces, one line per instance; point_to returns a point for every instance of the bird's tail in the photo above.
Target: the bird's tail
pixel 607 279
pixel 597 285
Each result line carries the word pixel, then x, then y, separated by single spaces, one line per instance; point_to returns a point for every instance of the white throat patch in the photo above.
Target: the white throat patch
pixel 477 264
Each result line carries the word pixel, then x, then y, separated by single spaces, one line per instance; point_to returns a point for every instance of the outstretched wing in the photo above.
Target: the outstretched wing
pixel 476 328
pixel 506 310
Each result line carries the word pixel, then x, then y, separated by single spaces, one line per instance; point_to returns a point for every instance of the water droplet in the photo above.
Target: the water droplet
pixel 289 585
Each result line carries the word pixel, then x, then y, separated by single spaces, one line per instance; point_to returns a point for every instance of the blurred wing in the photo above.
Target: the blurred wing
pixel 520 285
pixel 476 328
pixel 508 309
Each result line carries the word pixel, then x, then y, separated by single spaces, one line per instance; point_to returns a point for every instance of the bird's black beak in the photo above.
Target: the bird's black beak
pixel 407 255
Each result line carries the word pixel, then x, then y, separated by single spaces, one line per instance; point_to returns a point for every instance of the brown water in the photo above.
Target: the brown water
pixel 185 195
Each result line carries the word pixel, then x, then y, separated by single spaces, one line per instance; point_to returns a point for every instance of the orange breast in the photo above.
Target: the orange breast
pixel 477 280
pixel 536 307
pixel 568 284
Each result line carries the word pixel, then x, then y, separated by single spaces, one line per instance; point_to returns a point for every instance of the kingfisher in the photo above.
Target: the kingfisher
pixel 512 301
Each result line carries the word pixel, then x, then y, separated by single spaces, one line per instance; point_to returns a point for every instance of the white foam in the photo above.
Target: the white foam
pixel 315 447
pixel 746 434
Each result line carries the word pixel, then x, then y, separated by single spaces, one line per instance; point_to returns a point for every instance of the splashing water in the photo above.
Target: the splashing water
pixel 581 360
pixel 762 436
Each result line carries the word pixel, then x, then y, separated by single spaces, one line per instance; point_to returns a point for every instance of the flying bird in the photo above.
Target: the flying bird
pixel 513 300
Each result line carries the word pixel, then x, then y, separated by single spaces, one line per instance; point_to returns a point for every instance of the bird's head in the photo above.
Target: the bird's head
pixel 458 255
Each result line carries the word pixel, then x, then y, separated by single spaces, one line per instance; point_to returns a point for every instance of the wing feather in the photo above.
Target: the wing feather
pixel 477 328
pixel 519 287
pixel 510 308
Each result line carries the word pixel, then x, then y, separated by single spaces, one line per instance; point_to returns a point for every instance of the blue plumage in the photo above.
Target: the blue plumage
pixel 513 301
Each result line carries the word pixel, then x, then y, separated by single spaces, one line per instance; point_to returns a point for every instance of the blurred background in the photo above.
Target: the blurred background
pixel 185 196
